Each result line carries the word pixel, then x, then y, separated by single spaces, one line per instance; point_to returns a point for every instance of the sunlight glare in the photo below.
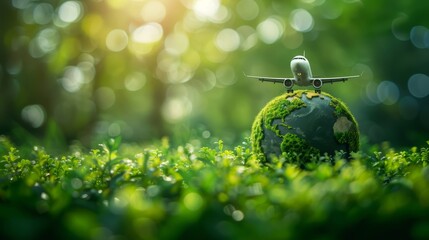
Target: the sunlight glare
pixel 148 33
pixel 206 8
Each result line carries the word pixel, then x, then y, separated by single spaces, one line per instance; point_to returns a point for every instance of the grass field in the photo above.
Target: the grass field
pixel 129 191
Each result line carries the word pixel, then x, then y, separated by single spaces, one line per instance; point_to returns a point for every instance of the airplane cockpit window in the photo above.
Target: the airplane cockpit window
pixel 300 58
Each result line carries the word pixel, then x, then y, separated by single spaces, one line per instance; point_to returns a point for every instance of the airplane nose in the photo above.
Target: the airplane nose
pixel 296 66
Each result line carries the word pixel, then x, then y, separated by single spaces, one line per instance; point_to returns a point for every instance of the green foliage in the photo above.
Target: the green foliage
pixel 184 192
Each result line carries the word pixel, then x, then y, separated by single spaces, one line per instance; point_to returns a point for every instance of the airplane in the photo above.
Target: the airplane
pixel 302 76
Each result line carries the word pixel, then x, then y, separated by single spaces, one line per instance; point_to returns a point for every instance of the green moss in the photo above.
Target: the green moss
pixel 281 107
pixel 297 150
pixel 340 108
pixel 285 125
pixel 278 108
pixel 350 137
pixel 257 135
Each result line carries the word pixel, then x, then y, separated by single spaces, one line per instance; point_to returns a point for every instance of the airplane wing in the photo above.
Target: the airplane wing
pixel 268 79
pixel 337 79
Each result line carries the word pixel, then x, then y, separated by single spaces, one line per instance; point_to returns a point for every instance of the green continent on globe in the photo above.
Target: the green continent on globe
pixel 302 125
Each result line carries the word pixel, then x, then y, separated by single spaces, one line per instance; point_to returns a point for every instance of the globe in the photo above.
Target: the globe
pixel 304 125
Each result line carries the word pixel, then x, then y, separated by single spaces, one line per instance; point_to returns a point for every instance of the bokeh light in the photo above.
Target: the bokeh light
pixel 88 70
pixel 21 4
pixel 148 33
pixel 248 36
pixel 418 85
pixel 270 30
pixel 117 40
pixel 176 108
pixel 222 15
pixel 73 79
pixel 329 9
pixel 114 129
pixel 45 42
pixel 399 27
pixel 42 13
pixel 176 43
pixel 228 40
pixel 388 92
pixel 135 81
pixel 206 9
pixel 419 36
pixel 193 201
pixel 33 115
pixel 301 20
pixel 70 11
pixel 237 215
pixel 371 93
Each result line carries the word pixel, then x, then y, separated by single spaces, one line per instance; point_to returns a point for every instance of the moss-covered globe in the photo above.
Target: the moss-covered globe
pixel 303 125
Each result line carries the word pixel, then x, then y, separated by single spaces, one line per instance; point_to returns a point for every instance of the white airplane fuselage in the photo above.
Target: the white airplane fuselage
pixel 301 71
pixel 302 76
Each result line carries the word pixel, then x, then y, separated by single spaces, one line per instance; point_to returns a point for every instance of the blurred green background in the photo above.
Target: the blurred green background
pixel 143 69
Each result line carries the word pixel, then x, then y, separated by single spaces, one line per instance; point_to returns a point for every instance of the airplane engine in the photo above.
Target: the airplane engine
pixel 317 83
pixel 288 83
